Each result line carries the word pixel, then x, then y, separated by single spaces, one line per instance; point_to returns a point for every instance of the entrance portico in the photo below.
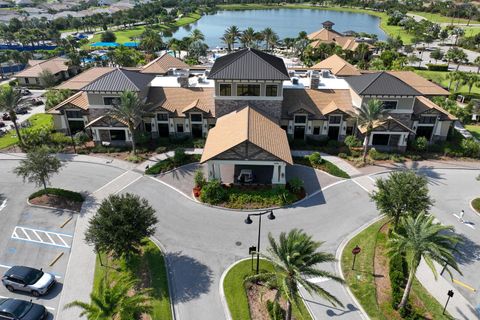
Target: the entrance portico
pixel 265 172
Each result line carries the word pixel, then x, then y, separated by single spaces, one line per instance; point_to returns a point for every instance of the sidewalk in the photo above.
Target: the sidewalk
pixel 342 164
pixel 458 306
pixel 158 157
pixel 81 264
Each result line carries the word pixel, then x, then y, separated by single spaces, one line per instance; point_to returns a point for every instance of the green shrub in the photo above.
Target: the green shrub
pixel 355 153
pixel 420 144
pixel 334 170
pixel 342 155
pixel 262 198
pixel 353 142
pixel 398 272
pixel 437 67
pixel 470 148
pixel 161 149
pixel 397 158
pixel 315 158
pixel 377 155
pixel 134 158
pixel 199 178
pixel 334 144
pixel 275 311
pixel 67 194
pixel 476 204
pixel 81 138
pixel 199 143
pixel 179 156
pixel 142 138
pixel 213 192
pixel 295 184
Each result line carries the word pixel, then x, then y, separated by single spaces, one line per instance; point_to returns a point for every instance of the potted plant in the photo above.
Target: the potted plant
pixel 199 181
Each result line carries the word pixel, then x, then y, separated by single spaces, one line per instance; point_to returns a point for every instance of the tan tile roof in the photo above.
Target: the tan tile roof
pixel 337 66
pixel 316 102
pixel 78 100
pixel 329 36
pixel 380 123
pixel 53 65
pixel 419 83
pixel 180 100
pixel 243 125
pixel 84 78
pixel 324 35
pixel 164 63
pixel 423 104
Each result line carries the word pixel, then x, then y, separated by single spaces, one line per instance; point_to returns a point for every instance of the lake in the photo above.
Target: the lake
pixel 285 22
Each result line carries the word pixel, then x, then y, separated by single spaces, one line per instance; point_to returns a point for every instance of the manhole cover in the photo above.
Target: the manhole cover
pixel 238 243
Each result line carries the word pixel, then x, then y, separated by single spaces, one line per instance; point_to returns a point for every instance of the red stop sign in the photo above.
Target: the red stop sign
pixel 356 250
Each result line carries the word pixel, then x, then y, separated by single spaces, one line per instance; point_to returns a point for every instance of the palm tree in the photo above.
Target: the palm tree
pixel 368 114
pixel 248 37
pixel 9 101
pixel 268 34
pixel 151 41
pixel 174 45
pixel 130 110
pixel 115 302
pixel 230 37
pixel 469 80
pixel 196 35
pixel 422 238
pixel 477 63
pixel 294 258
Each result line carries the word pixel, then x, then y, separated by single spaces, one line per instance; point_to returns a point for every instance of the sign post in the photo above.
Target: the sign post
pixel 355 251
pixel 450 295
pixel 251 251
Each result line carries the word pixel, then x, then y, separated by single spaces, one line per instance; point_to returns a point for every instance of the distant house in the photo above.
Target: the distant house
pixel 164 64
pixel 31 76
pixel 328 35
pixel 5 4
pixel 24 3
pixel 82 79
pixel 337 66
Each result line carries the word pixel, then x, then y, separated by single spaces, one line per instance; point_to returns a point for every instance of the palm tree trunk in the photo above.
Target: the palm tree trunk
pixel 13 116
pixel 365 146
pixel 44 186
pixel 288 314
pixel 457 85
pixel 406 293
pixel 134 147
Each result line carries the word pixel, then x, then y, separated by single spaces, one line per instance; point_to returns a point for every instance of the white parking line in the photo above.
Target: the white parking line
pixel 48 234
pixel 49 308
pixel 3 205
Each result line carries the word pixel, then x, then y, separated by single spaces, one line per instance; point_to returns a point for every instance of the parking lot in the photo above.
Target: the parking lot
pixel 38 237
pixel 7 125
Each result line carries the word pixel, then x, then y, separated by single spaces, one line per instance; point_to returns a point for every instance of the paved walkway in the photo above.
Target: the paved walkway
pixel 342 164
pixel 457 125
pixel 158 157
pixel 81 266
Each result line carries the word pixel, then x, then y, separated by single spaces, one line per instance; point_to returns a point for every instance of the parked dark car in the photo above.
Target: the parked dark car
pixel 15 309
pixel 36 101
pixel 2 124
pixel 21 110
pixel 25 92
pixel 28 279
pixel 6 117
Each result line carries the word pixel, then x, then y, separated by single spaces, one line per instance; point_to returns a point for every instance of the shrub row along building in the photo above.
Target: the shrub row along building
pixel 247 98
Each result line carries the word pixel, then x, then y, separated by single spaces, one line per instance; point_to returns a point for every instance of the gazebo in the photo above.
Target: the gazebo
pixel 247 140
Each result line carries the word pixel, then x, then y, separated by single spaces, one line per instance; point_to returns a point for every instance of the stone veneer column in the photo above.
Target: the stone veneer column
pixel 271 108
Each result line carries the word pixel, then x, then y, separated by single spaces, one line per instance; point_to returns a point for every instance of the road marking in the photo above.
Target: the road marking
pixel 464 285
pixel 56 259
pixel 106 185
pixel 66 221
pixel 358 183
pixel 318 280
pixel 49 308
pixel 130 183
pixel 62 243
pixel 8 267
pixel 467 223
pixel 3 205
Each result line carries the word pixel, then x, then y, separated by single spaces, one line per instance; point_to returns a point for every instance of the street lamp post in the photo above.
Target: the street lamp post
pixel 450 295
pixel 248 220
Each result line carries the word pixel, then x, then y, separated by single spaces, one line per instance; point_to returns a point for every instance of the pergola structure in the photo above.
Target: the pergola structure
pixel 247 139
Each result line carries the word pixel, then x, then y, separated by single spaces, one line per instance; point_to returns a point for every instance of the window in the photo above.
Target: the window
pixel 300 119
pixel 196 117
pixel 389 105
pixel 427 120
pixel 316 131
pixel 27 81
pixel 334 119
pixel 74 114
pixel 251 90
pixel 118 135
pixel 162 117
pixel 225 89
pixel 179 127
pixel 109 101
pixel 271 90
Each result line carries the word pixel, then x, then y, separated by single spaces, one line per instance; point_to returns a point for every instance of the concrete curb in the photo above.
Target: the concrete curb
pixel 52 208
pixel 171 290
pixel 338 256
pixel 226 310
pixel 471 206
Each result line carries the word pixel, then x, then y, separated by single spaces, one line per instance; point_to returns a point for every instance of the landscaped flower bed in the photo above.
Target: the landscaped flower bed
pixel 57 198
pixel 476 204
pixel 179 159
pixel 315 161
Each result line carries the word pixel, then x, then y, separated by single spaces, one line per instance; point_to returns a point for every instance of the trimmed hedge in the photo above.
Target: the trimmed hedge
pixel 67 194
pixel 170 164
pixel 437 67
pixel 476 204
pixel 316 161
pixel 398 272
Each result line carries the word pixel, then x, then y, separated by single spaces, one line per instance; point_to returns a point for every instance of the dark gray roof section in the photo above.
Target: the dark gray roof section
pixel 380 84
pixel 120 80
pixel 249 64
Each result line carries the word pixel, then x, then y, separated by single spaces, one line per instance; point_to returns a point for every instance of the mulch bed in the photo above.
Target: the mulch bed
pixel 258 295
pixel 58 202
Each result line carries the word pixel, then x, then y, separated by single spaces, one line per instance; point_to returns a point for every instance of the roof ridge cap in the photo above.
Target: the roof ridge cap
pixel 101 77
pixel 125 75
pixel 391 75
pixel 243 52
pixel 269 64
pixel 373 80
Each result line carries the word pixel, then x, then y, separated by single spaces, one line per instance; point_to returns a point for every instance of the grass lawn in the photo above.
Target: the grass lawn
pixel 437 18
pixel 362 280
pixel 150 261
pixel 474 130
pixel 440 77
pixel 326 166
pixel 130 34
pixel 392 31
pixel 236 296
pixel 471 31
pixel 476 204
pixel 37 121
pixel 168 164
